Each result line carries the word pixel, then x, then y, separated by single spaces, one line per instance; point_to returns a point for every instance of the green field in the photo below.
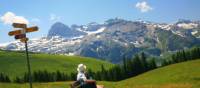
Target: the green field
pixel 14 63
pixel 181 75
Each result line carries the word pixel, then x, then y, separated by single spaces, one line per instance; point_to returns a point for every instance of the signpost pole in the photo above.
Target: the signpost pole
pixel 21 34
pixel 28 65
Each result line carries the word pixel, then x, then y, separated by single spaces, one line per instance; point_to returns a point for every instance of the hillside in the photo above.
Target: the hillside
pixel 14 63
pixel 181 75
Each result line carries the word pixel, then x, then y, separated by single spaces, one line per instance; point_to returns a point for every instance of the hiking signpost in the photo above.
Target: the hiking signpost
pixel 21 34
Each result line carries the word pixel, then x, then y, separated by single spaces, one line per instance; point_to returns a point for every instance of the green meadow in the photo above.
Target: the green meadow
pixel 180 75
pixel 14 63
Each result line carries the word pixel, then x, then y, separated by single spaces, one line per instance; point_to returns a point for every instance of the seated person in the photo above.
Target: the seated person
pixel 82 80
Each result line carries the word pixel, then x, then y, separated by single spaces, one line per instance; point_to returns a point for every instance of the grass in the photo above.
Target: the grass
pixel 181 75
pixel 14 63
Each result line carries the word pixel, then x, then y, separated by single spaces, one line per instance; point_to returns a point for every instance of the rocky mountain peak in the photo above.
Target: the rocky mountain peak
pixel 62 30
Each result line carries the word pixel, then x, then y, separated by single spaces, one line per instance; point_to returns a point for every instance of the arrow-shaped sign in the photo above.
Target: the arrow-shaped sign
pixel 16 32
pixel 19 25
pixel 27 30
pixel 20 36
pixel 32 29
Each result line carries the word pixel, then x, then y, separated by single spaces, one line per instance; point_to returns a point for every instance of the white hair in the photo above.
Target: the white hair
pixel 81 68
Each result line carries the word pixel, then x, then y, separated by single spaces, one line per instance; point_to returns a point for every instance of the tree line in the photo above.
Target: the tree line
pixel 4 78
pixel 129 68
pixel 183 55
pixel 45 76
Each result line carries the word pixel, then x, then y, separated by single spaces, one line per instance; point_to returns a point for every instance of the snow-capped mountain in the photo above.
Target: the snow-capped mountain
pixel 54 45
pixel 115 39
pixel 62 30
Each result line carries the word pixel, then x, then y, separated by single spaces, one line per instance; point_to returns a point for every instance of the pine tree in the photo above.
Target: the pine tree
pixel 188 55
pixel 58 76
pixel 4 78
pixel 73 76
pixel 103 73
pixel 137 66
pixel 1 77
pixel 144 62
pixel 18 80
pixel 152 64
pixel 184 55
pixel 98 76
pixel 124 69
pixel 118 73
pixel 7 79
pixel 130 68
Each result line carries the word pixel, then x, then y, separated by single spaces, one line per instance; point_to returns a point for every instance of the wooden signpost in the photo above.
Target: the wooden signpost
pixel 21 34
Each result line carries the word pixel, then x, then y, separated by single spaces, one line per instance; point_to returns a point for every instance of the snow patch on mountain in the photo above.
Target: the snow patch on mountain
pixel 92 32
pixel 95 32
pixel 78 37
pixel 177 33
pixel 54 45
pixel 187 25
pixel 194 32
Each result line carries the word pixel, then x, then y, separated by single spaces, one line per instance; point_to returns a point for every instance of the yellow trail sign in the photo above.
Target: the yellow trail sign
pixel 32 29
pixel 24 40
pixel 19 25
pixel 27 30
pixel 16 32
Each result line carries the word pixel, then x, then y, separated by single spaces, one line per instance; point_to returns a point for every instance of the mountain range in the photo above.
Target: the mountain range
pixel 114 39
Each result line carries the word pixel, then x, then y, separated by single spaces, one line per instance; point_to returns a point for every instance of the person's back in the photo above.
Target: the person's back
pixel 82 81
pixel 81 76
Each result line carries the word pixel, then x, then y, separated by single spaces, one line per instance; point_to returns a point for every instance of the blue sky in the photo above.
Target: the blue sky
pixel 44 13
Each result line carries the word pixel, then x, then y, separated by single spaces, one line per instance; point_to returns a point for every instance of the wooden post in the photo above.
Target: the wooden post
pixel 28 65
pixel 21 34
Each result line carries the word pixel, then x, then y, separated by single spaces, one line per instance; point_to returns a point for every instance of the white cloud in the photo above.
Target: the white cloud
pixel 54 17
pixel 10 17
pixel 143 6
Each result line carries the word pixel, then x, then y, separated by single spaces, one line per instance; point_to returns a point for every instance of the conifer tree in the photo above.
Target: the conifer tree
pixel 144 62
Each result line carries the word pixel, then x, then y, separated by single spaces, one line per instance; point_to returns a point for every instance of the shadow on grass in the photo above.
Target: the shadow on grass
pixel 196 79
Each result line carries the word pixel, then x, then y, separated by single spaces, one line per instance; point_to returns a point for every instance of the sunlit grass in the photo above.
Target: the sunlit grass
pixel 181 75
pixel 14 64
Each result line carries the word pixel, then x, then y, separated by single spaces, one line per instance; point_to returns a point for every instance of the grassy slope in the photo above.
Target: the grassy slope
pixel 182 75
pixel 13 63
